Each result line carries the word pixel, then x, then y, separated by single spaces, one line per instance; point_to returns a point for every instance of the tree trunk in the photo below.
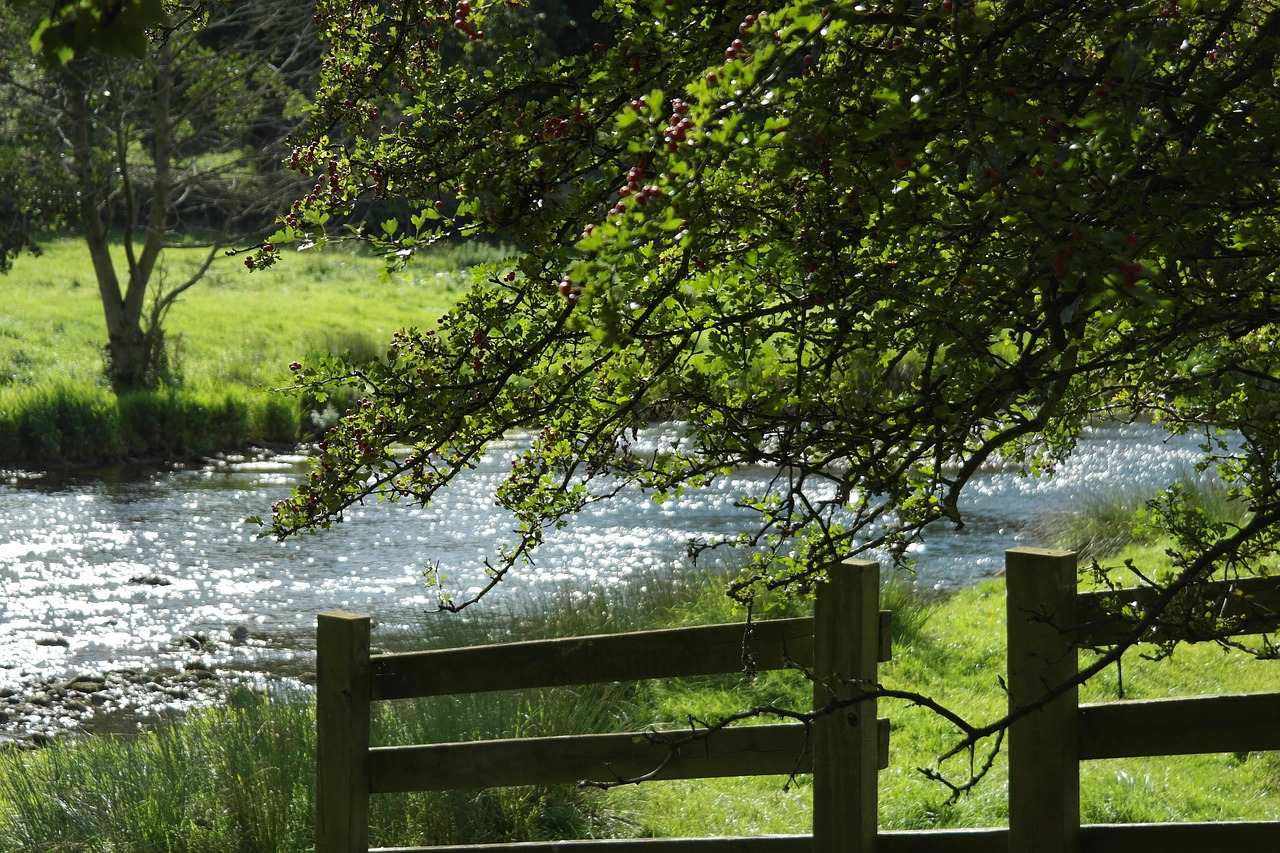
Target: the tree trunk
pixel 132 349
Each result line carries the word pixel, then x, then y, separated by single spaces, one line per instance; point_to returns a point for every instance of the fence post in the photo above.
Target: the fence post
pixel 1044 746
pixel 342 733
pixel 846 751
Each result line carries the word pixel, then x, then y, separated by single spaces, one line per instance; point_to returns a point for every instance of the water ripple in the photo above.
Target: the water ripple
pixel 115 568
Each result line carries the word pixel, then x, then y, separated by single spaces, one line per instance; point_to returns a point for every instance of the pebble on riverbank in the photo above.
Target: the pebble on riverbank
pixel 37 709
pixel 36 712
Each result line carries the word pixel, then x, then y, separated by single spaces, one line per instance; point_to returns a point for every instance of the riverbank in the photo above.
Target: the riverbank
pixel 240 776
pixel 230 342
pixel 81 424
pixel 191 674
pixel 36 712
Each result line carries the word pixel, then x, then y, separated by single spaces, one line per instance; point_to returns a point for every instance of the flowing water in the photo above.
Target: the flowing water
pixel 137 567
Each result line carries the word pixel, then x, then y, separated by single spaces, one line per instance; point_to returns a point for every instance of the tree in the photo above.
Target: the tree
pixel 874 246
pixel 117 27
pixel 183 149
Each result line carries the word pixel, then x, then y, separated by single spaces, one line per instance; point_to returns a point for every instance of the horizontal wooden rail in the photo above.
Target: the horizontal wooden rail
pixel 1218 837
pixel 1215 837
pixel 1233 723
pixel 928 841
pixel 1253 603
pixel 740 751
pixel 676 652
pixel 757 844
pixel 670 653
pixel 766 750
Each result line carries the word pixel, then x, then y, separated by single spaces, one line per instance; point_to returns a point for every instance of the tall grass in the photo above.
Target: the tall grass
pixel 1103 524
pixel 241 778
pixel 70 422
pixel 171 422
pixel 84 423
pixel 237 778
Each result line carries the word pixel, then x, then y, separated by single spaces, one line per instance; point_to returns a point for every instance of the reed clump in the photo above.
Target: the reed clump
pixel 1104 523
pixel 82 423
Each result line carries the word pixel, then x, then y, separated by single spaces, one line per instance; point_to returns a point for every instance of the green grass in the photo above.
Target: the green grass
pixel 239 778
pixel 230 339
pixel 955 654
pixel 234 327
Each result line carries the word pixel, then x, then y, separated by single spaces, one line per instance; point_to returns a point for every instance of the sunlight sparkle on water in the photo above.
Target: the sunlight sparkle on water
pixel 120 565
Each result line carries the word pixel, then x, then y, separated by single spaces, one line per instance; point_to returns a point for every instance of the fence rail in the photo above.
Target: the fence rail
pixel 841 645
pixel 1217 837
pixel 669 653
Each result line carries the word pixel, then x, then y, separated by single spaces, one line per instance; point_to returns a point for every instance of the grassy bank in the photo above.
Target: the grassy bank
pixel 230 339
pixel 954 650
pixel 239 778
pixel 84 423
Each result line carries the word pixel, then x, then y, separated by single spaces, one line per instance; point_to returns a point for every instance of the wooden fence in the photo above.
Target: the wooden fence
pixel 1047 622
pixel 841 645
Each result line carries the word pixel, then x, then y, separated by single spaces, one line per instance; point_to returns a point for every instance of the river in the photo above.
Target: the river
pixel 136 567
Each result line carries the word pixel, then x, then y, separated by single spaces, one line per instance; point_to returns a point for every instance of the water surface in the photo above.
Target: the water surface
pixel 123 568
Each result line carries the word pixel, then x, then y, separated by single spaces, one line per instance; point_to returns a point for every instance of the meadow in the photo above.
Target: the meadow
pixel 230 340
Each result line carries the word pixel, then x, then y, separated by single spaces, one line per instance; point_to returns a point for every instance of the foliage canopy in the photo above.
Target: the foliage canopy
pixel 115 27
pixel 874 246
